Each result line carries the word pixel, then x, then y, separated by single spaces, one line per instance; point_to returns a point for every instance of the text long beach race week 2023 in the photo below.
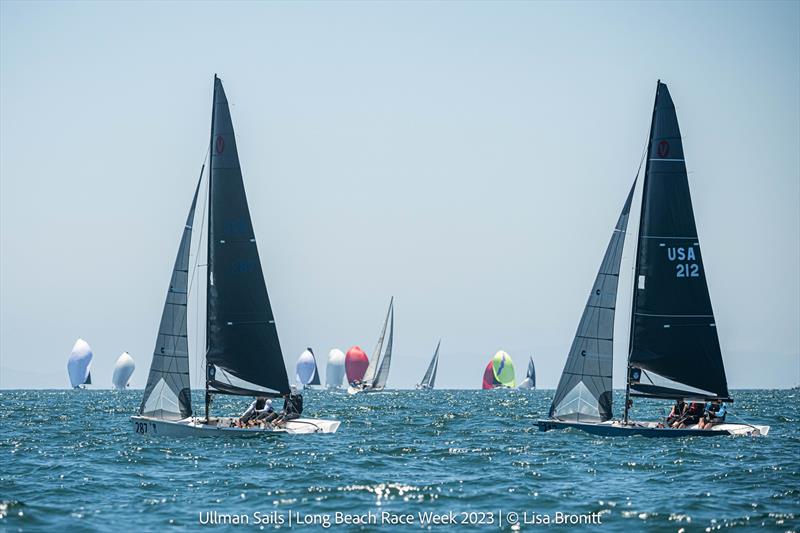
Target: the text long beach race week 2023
pixel 488 519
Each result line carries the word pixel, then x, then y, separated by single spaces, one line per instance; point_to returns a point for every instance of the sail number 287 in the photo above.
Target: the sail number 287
pixel 142 429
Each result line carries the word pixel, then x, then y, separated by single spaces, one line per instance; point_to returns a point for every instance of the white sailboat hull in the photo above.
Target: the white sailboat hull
pixel 526 384
pixel 196 427
pixel 615 428
pixel 358 390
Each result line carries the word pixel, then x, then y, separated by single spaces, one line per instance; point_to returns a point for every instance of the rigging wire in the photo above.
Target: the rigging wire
pixel 194 271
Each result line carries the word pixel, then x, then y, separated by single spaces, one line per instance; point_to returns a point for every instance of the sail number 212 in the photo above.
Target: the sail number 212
pixel 687 267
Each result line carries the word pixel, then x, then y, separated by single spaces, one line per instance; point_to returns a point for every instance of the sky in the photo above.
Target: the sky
pixel 469 159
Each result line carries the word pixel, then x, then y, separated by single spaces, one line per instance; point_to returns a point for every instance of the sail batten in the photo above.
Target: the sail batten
pixel 584 391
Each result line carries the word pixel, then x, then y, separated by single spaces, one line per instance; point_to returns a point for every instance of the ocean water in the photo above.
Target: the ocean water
pixel 70 462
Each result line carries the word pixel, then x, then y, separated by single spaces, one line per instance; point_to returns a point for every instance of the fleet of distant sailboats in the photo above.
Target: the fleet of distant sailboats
pixel 673 346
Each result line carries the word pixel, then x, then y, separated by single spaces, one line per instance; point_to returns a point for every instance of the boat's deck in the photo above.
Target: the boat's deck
pixel 615 428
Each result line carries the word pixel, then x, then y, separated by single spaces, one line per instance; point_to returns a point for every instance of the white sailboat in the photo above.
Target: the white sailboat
pixel 306 370
pixel 429 379
pixel 123 370
pixel 377 373
pixel 79 365
pixel 334 371
pixel 243 355
pixel 530 377
pixel 674 351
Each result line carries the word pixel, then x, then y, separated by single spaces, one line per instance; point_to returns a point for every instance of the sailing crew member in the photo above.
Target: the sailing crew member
pixel 692 415
pixel 715 414
pixel 676 413
pixel 292 408
pixel 256 408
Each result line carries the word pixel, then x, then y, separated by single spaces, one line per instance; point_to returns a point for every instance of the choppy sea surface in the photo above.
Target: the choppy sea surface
pixel 70 461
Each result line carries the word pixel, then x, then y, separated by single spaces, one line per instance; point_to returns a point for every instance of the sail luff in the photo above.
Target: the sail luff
pixel 168 392
pixel 673 330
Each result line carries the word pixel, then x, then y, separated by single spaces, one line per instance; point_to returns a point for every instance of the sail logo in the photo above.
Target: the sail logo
pixel 219 144
pixel 687 266
pixel 663 149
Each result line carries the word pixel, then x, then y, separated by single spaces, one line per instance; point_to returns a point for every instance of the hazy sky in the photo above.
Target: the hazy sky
pixel 470 159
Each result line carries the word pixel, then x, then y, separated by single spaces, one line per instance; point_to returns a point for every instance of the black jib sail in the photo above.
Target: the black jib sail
pixel 429 379
pixel 168 393
pixel 674 349
pixel 241 334
pixel 584 391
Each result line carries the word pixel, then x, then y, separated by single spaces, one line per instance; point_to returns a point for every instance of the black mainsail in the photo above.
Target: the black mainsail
pixel 674 348
pixel 168 393
pixel 429 379
pixel 584 391
pixel 242 339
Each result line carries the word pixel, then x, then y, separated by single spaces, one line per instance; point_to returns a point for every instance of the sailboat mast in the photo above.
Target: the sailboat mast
pixel 209 266
pixel 635 283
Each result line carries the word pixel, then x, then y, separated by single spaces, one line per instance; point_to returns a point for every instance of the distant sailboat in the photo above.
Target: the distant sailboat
pixel 306 371
pixel 243 354
pixel 499 373
pixel 334 371
pixel 674 351
pixel 429 378
pixel 530 377
pixel 377 372
pixel 79 364
pixel 355 364
pixel 123 370
pixel 315 381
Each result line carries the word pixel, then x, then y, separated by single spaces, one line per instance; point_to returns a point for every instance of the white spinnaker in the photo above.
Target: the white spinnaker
pixel 334 372
pixel 123 369
pixel 79 362
pixel 305 368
